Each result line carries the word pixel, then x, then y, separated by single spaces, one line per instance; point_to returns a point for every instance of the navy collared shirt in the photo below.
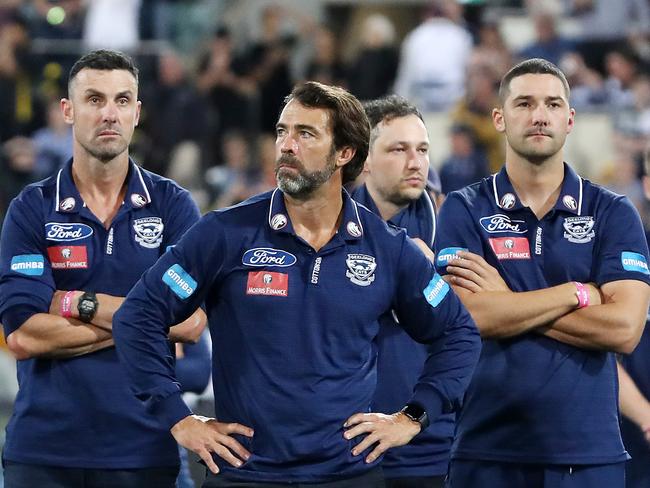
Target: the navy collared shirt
pixel 80 412
pixel 293 331
pixel 534 399
pixel 400 361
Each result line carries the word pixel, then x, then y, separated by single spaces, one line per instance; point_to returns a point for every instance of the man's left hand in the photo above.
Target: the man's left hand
pixel 383 431
pixel 472 272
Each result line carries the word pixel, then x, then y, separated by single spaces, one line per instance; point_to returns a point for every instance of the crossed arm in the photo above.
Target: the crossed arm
pixel 51 335
pixel 613 321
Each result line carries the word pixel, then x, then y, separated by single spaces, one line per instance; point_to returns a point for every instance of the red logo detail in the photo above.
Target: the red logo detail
pixel 510 247
pixel 267 283
pixel 68 257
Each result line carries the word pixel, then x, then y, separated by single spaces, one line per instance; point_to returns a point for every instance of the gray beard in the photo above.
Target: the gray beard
pixel 305 183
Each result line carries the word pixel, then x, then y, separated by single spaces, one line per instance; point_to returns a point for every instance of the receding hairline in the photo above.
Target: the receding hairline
pixel 73 80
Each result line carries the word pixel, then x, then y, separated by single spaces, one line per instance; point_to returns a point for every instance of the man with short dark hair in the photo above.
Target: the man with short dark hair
pixel 72 247
pixel 556 278
pixel 396 174
pixel 294 282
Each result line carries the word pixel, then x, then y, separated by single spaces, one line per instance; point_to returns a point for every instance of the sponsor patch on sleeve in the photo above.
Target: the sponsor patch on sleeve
pixel 633 261
pixel 28 264
pixel 448 254
pixel 436 290
pixel 179 281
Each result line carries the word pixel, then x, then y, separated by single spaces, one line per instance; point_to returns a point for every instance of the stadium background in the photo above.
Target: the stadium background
pixel 214 72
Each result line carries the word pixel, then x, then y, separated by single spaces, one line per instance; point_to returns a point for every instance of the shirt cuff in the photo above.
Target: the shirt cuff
pixel 171 409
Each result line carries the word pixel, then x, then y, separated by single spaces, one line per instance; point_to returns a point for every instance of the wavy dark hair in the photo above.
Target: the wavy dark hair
pixel 348 120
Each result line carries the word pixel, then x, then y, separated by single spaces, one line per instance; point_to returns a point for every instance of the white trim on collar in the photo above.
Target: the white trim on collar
pixel 146 190
pixel 271 206
pixel 432 208
pixel 494 186
pixel 356 212
pixel 58 184
pixel 580 197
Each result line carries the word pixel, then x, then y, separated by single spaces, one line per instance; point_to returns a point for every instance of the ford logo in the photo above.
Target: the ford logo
pixel 55 231
pixel 266 256
pixel 502 223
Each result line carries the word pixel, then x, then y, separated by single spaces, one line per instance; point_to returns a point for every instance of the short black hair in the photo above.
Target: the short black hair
pixel 348 120
pixel 103 59
pixel 535 66
pixel 386 109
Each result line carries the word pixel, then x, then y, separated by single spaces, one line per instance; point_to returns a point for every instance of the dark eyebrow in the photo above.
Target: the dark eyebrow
pixel 547 99
pixel 92 92
pixel 311 128
pixel 406 143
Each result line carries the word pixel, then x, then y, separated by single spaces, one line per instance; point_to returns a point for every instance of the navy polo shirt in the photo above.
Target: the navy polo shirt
pixel 534 399
pixel 400 361
pixel 293 331
pixel 80 412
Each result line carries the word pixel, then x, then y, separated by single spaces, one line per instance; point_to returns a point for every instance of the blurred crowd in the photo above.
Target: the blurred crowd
pixel 214 74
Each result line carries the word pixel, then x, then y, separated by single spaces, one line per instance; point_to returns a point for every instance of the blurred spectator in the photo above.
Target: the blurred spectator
pixel 53 142
pixel 173 112
pixel 326 66
pixel 586 84
pixel 466 164
pixel 268 61
pixel 635 120
pixel 548 44
pixel 18 106
pixel 233 181
pixel 372 73
pixel 266 151
pixel 185 169
pixel 624 179
pixel 604 24
pixel 615 92
pixel 491 50
pixel 222 80
pixel 475 111
pixel 18 169
pixel 434 58
pixel 621 66
pixel 112 24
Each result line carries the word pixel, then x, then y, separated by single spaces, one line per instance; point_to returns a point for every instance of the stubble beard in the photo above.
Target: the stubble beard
pixel 536 156
pixel 304 183
pixel 106 153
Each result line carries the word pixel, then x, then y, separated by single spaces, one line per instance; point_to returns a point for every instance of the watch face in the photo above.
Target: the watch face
pixel 415 412
pixel 86 305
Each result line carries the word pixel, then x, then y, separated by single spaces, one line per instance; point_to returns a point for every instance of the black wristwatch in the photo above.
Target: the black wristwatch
pixel 87 306
pixel 417 414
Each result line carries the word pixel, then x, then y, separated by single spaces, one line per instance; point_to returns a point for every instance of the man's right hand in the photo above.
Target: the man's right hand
pixel 205 436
